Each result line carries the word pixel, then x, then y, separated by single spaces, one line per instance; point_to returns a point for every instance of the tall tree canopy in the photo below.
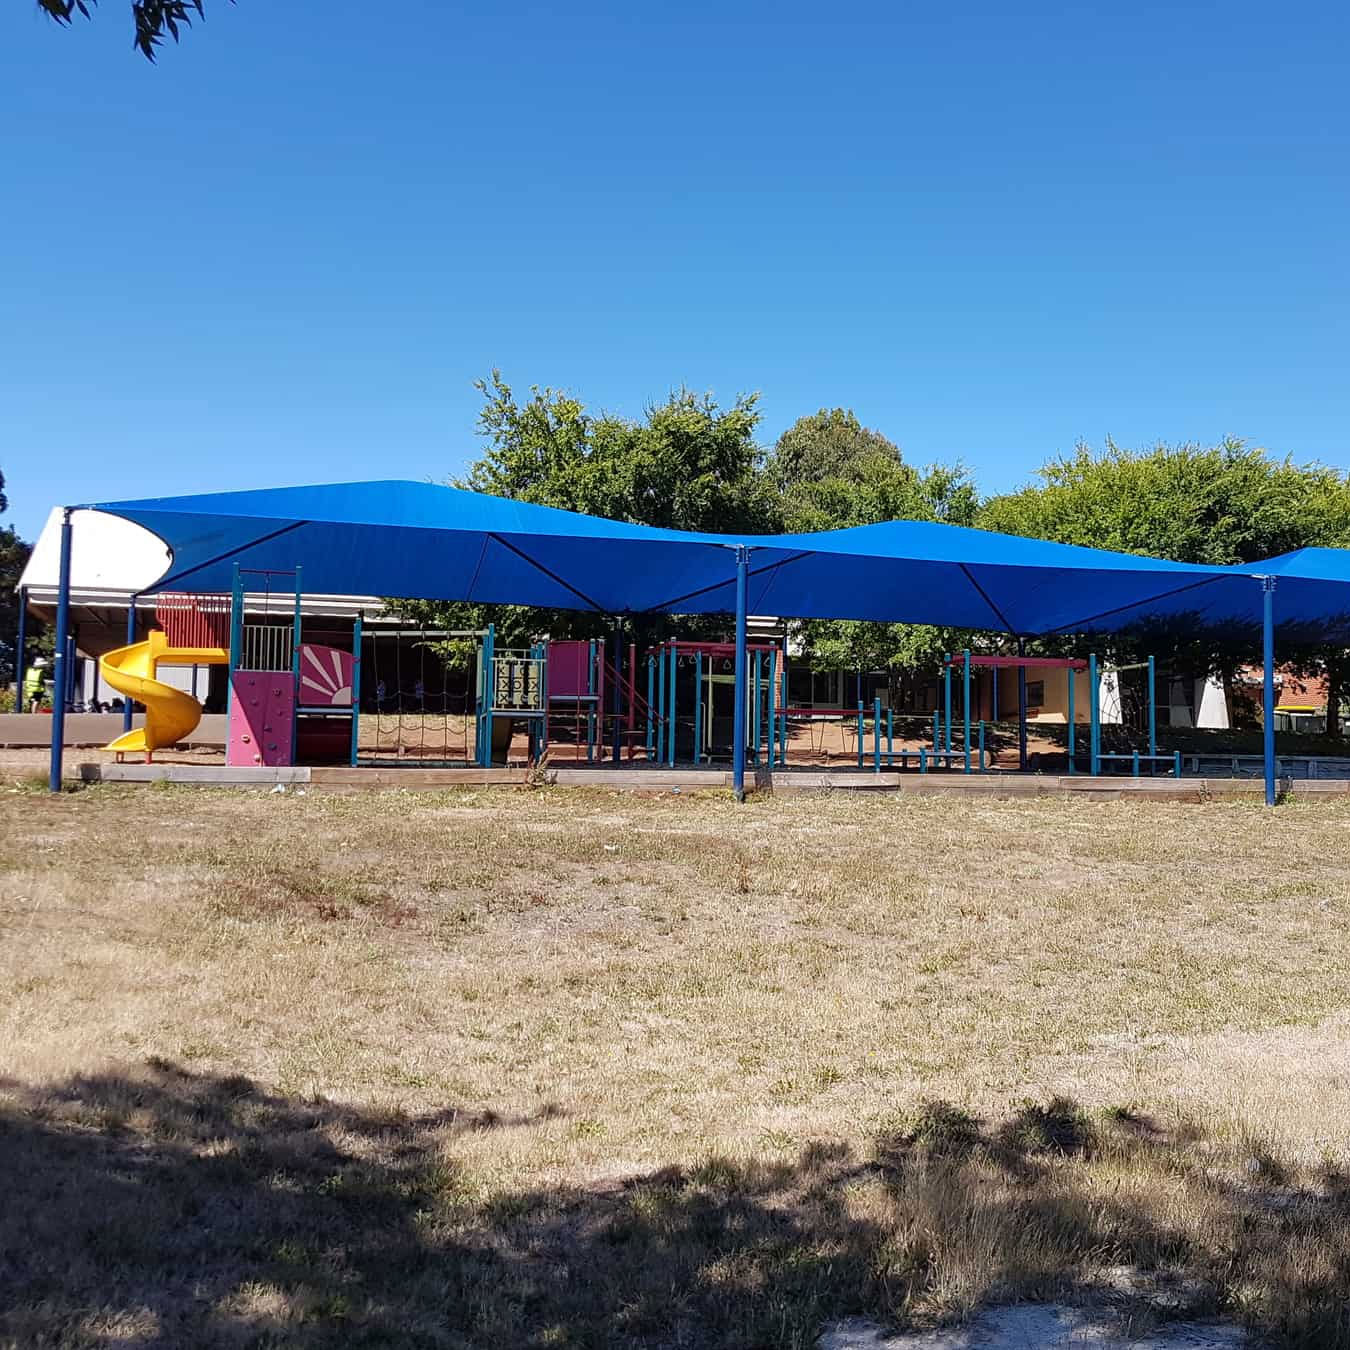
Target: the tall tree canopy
pixel 688 464
pixel 1222 504
pixel 14 554
pixel 832 472
pixel 1229 503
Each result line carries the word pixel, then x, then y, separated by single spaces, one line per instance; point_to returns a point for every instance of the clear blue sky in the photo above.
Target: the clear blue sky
pixel 284 253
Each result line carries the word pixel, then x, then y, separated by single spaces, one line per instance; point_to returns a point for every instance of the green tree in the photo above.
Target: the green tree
pixel 151 19
pixel 832 472
pixel 1223 504
pixel 1229 503
pixel 689 464
pixel 14 554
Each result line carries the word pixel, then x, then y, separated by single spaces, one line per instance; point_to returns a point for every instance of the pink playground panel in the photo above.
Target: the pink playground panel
pixel 326 676
pixel 569 669
pixel 262 715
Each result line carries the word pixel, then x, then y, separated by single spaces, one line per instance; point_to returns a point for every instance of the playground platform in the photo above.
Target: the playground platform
pixel 665 780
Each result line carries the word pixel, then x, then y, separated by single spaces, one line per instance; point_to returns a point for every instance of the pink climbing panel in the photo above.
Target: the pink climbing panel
pixel 326 675
pixel 262 713
pixel 569 669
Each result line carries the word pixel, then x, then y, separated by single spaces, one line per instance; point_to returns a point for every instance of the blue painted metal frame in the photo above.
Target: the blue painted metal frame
pixel 489 652
pixel 295 665
pixel 965 706
pixel 59 657
pixel 356 686
pixel 661 719
pixel 128 703
pixel 1268 684
pixel 1095 717
pixel 738 713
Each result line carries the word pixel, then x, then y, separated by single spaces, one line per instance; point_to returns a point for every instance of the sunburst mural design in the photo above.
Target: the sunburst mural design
pixel 325 676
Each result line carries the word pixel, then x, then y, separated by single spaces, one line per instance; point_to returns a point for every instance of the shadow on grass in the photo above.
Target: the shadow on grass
pixel 166 1208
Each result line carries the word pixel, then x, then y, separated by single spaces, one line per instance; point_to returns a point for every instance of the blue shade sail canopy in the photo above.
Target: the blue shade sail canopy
pixel 425 541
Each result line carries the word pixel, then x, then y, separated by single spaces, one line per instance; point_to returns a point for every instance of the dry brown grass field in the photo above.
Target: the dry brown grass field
pixel 572 1068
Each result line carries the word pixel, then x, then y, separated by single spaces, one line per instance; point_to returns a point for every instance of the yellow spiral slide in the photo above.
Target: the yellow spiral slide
pixel 170 714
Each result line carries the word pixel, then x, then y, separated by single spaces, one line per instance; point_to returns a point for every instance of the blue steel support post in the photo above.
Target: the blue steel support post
pixel 236 619
pixel 935 731
pixel 20 649
pixel 489 692
pixel 295 664
pixel 1073 729
pixel 538 725
pixel 698 707
pixel 356 686
pixel 876 734
pixel 479 670
pixel 543 699
pixel 738 713
pixel 479 685
pixel 1268 683
pixel 1021 707
pixel 1094 717
pixel 947 707
pixel 862 735
pixel 1152 715
pixel 236 645
pixel 772 708
pixel 890 738
pixel 965 706
pixel 59 655
pixel 981 744
pixel 661 664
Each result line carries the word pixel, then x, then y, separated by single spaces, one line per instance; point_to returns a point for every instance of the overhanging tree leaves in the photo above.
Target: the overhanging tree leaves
pixel 152 19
